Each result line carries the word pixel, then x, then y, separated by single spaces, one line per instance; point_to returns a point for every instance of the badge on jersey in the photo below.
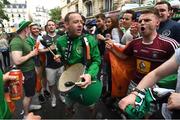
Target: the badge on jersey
pixel 143 66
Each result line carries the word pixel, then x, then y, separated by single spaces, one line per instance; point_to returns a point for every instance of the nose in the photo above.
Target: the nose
pixel 142 22
pixel 80 24
pixel 123 20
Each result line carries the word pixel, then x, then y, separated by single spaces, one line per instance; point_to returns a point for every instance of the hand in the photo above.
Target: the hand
pixel 87 78
pixel 109 44
pixel 134 29
pixel 174 101
pixel 34 53
pixel 100 37
pixel 31 116
pixel 53 47
pixel 57 58
pixel 7 77
pixel 130 99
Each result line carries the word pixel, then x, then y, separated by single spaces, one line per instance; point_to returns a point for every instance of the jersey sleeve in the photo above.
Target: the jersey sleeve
pixel 16 44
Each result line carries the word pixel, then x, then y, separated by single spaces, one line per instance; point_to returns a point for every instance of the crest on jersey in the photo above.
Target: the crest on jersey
pixel 166 32
pixel 79 50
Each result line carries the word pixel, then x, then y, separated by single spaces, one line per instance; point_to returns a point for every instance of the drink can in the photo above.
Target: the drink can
pixel 15 86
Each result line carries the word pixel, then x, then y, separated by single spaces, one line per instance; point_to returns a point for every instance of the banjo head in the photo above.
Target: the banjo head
pixel 72 74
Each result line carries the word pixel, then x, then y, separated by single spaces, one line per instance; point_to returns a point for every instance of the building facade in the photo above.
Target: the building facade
pixel 21 10
pixel 16 12
pixel 89 8
pixel 40 15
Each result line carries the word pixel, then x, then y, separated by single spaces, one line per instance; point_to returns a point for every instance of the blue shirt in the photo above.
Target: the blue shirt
pixel 170 29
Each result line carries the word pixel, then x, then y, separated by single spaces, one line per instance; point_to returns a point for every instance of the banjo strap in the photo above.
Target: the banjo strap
pixel 68 49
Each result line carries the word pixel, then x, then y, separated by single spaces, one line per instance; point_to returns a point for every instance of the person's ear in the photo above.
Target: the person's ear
pixel 157 22
pixel 170 13
pixel 66 25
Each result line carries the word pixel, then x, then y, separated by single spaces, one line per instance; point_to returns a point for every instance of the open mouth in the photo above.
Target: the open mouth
pixel 79 30
pixel 142 29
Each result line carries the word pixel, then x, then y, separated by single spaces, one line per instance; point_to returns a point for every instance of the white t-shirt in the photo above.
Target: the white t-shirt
pixel 115 35
pixel 127 37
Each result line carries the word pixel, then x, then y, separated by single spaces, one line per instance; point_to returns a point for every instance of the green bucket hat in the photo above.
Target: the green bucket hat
pixel 23 24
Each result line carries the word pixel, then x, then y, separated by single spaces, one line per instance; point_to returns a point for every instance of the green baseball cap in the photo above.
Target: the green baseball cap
pixel 22 25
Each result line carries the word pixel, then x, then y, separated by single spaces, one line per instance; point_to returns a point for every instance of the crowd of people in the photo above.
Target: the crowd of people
pixel 152 39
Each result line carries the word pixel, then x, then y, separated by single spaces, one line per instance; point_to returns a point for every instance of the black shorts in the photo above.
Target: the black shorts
pixel 29 83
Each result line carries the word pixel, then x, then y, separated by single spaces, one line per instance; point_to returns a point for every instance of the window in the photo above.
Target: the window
pixel 68 1
pixel 108 5
pixel 14 6
pixel 20 6
pixel 89 8
pixel 76 7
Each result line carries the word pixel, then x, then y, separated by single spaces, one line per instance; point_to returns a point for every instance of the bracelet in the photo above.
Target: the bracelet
pixel 137 90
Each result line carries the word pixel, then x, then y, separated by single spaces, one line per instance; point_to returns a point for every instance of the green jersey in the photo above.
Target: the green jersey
pixel 77 52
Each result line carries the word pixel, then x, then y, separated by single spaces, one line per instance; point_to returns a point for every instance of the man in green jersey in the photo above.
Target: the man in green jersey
pixel 72 47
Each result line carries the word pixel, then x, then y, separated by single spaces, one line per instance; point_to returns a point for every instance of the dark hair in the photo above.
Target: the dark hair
pixel 50 21
pixel 114 21
pixel 165 2
pixel 152 11
pixel 132 13
pixel 101 15
pixel 66 18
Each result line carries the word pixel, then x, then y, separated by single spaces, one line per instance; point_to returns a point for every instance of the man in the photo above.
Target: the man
pixel 130 28
pixel 127 20
pixel 167 26
pixel 101 31
pixel 22 56
pixel 74 39
pixel 167 68
pixel 53 68
pixel 34 41
pixel 151 50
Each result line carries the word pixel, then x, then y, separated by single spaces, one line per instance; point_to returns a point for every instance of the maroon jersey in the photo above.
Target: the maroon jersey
pixel 150 56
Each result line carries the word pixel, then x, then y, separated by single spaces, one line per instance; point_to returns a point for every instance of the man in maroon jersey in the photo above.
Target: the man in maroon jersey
pixel 151 50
